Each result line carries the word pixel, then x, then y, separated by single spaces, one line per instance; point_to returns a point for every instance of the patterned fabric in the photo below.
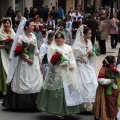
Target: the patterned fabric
pixel 106 106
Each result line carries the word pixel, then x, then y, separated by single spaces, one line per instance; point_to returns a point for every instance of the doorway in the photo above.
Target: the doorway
pixel 105 2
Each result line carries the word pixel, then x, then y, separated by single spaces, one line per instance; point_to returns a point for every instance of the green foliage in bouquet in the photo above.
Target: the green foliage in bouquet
pixel 25 49
pixel 118 87
pixel 96 50
pixel 112 74
pixel 29 50
pixel 7 42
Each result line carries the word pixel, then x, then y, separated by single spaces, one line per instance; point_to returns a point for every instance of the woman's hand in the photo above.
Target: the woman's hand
pixel 71 67
pixel 6 46
pixel 30 61
pixel 26 59
pixel 90 53
pixel 64 64
pixel 112 80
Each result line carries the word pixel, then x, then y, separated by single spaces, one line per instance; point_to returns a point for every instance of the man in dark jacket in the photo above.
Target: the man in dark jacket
pixel 43 13
pixel 93 24
pixel 54 13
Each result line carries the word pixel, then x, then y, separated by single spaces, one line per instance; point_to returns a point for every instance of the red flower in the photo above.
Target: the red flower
pixel 9 40
pixel 78 22
pixel 18 49
pixel 56 58
pixel 115 70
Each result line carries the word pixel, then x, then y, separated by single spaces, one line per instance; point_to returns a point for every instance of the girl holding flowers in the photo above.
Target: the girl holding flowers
pixel 61 83
pixel 6 39
pixel 106 102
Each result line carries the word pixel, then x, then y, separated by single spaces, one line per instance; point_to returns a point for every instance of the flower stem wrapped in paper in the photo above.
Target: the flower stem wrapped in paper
pixel 8 42
pixel 26 50
pixel 58 58
pixel 113 74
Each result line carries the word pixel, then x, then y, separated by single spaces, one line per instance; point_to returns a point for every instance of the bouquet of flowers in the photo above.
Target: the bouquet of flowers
pixel 96 50
pixel 58 58
pixel 8 42
pixel 112 74
pixel 26 50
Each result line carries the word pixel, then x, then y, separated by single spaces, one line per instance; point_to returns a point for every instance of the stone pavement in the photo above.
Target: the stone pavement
pixel 110 51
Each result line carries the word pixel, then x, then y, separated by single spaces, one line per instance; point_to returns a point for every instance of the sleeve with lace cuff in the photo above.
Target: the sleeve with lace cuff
pixel 104 81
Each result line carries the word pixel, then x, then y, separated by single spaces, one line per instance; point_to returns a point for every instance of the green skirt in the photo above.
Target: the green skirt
pixel 53 102
pixel 3 76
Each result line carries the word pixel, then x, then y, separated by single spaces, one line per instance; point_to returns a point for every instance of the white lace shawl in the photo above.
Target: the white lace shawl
pixel 80 48
pixel 69 78
pixel 4 55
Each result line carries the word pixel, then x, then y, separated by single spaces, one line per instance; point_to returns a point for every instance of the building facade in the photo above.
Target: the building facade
pixel 4 5
pixel 66 4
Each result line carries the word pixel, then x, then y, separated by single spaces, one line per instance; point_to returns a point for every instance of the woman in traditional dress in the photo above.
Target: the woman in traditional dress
pixel 6 34
pixel 24 76
pixel 67 33
pixel 43 52
pixel 82 50
pixel 37 31
pixel 106 102
pixel 61 83
pixel 43 27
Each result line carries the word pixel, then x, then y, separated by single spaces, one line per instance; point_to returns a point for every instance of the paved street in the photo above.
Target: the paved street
pixel 110 51
pixel 12 115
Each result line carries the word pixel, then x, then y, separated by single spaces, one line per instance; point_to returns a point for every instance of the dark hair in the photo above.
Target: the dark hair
pixel 86 29
pixel 28 23
pixel 10 8
pixel 18 11
pixel 51 34
pixel 62 35
pixel 102 18
pixel 62 23
pixel 17 22
pixel 36 17
pixel 53 7
pixel 108 60
pixel 6 20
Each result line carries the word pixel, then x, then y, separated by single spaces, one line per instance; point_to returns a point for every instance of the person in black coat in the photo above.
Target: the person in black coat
pixel 54 13
pixel 26 13
pixel 93 25
pixel 43 13
pixel 10 13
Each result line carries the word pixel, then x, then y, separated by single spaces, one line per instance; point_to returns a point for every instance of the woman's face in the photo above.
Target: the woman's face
pixel 115 15
pixel 7 25
pixel 61 27
pixel 41 20
pixel 114 64
pixel 50 40
pixel 88 35
pixel 59 40
pixel 30 27
pixel 38 19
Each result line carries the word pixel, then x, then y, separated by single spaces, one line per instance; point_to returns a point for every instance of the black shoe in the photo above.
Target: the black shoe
pixel 113 47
